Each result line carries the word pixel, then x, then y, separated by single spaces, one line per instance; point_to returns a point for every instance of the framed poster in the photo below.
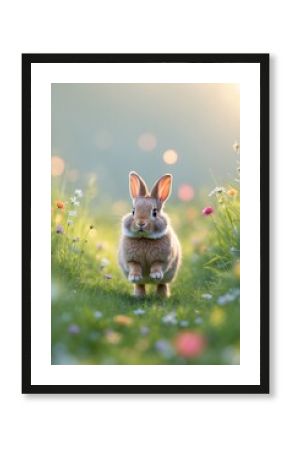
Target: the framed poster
pixel 145 223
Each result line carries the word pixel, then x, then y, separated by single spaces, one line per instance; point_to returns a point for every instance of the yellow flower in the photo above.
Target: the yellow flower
pixel 123 320
pixel 58 218
pixel 217 317
pixel 232 192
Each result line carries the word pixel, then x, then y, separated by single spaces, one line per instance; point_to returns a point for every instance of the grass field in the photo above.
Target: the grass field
pixel 95 320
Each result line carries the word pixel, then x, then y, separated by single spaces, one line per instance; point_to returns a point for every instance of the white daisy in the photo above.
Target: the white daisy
pixel 217 190
pixel 79 193
pixel 74 201
pixel 206 296
pixel 139 312
pixel 170 319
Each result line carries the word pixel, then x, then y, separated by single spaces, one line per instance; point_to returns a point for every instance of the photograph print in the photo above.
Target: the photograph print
pixel 149 223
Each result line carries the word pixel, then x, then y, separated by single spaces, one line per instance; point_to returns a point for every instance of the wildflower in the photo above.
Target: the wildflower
pixel 164 347
pixel 189 344
pixel 76 239
pixel 108 276
pixel 60 204
pixel 94 336
pixel 99 246
pixel 236 147
pixel 217 190
pixel 144 330
pixel 206 296
pixel 98 314
pixel 72 213
pixel 170 319
pixel 74 201
pixel 139 312
pixel 232 192
pixel 184 323
pixel 123 320
pixel 58 218
pixel 79 193
pixel 198 321
pixel 217 317
pixel 91 227
pixel 207 210
pixel 70 222
pixel 113 337
pixel 73 329
pixel 230 296
pixel 59 229
pixel 104 263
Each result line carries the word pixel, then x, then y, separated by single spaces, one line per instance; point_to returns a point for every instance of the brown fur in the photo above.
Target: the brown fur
pixel 149 249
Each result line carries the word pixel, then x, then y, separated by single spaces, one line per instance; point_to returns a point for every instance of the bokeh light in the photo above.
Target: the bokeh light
pixel 57 166
pixel 58 218
pixel 170 156
pixel 189 344
pixel 186 192
pixel 147 142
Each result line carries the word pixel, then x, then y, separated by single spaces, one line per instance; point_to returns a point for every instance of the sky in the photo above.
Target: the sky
pixel 109 129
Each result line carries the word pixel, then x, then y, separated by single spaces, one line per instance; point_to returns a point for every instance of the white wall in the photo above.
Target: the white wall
pixel 137 422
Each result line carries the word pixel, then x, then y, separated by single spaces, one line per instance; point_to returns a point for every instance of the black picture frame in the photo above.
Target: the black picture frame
pixel 27 61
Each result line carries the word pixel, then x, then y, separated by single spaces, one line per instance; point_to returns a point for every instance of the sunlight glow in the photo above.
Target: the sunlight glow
pixel 57 166
pixel 170 156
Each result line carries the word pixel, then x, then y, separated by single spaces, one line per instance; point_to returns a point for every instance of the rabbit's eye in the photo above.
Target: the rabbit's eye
pixel 154 212
pixel 133 211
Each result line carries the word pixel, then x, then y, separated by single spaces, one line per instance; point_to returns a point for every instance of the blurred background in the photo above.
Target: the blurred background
pixel 102 131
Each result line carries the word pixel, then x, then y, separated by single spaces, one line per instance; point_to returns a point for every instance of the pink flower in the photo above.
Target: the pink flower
pixel 207 210
pixel 189 344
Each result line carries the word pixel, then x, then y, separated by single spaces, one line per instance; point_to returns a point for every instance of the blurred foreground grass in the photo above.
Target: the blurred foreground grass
pixel 95 320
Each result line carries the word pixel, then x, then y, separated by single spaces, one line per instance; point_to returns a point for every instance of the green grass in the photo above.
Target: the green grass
pixel 88 294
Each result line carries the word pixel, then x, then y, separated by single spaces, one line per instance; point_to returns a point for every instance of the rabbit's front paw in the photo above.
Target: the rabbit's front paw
pixel 134 277
pixel 156 275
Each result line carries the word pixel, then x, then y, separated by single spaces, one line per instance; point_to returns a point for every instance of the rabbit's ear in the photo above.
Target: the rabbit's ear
pixel 162 188
pixel 137 185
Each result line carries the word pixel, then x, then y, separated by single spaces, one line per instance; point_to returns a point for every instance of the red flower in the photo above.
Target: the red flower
pixel 60 204
pixel 207 210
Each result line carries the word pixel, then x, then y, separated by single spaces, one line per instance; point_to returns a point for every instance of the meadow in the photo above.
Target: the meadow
pixel 96 320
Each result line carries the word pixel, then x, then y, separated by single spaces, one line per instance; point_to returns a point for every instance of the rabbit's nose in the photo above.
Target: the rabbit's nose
pixel 141 225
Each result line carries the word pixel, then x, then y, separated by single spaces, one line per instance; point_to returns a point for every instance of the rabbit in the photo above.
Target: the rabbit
pixel 149 250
